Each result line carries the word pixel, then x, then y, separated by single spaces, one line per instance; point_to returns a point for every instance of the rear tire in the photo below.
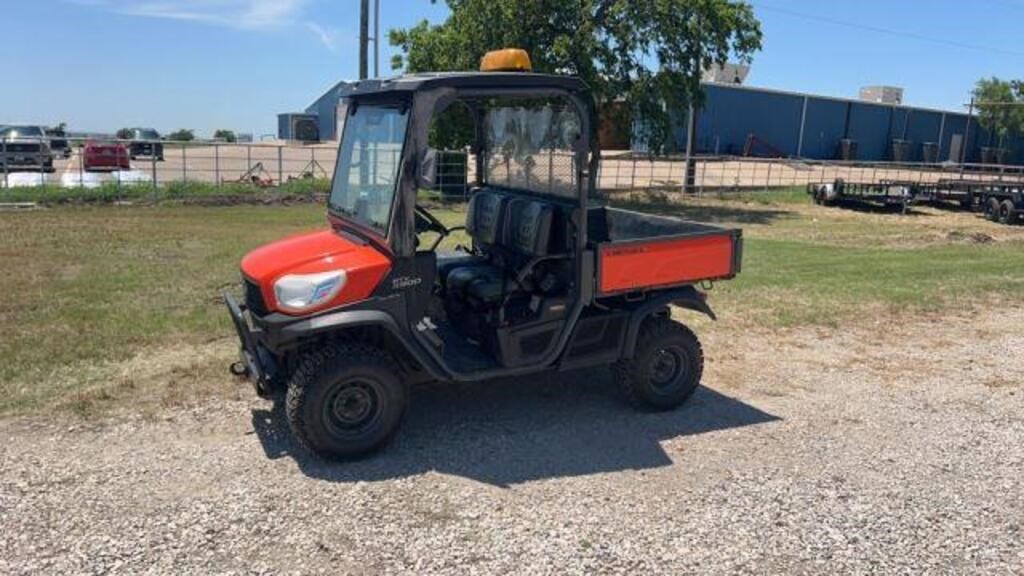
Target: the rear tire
pixel 1007 212
pixel 666 366
pixel 992 209
pixel 345 400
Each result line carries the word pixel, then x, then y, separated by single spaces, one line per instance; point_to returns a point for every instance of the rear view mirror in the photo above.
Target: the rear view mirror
pixel 427 172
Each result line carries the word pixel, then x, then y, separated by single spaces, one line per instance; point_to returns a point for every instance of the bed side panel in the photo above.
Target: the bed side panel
pixel 636 266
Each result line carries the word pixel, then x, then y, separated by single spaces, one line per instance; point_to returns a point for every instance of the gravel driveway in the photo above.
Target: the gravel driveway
pixel 891 447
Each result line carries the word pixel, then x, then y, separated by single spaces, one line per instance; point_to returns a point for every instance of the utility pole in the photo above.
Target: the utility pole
pixel 967 137
pixel 690 177
pixel 376 38
pixel 364 33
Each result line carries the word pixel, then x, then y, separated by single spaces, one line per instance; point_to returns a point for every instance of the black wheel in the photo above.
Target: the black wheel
pixel 345 400
pixel 666 367
pixel 992 209
pixel 1007 212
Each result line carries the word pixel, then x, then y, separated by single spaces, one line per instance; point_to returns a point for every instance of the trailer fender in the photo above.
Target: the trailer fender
pixel 687 297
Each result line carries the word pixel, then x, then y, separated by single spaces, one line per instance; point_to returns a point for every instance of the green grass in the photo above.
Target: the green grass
pixel 793 283
pixel 109 192
pixel 89 288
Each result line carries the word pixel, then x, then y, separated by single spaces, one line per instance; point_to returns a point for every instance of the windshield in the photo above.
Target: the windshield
pixel 368 160
pixel 21 132
pixel 146 135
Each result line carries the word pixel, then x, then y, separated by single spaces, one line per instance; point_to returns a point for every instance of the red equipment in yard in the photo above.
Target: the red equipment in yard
pixel 344 320
pixel 105 156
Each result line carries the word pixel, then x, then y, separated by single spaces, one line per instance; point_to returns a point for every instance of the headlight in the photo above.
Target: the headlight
pixel 298 292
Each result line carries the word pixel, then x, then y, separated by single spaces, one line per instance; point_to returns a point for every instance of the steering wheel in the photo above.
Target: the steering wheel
pixel 426 222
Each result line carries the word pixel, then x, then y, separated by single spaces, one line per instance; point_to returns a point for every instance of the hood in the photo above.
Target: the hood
pixel 316 252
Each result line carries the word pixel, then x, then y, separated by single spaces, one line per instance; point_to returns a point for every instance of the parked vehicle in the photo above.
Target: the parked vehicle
pixel 143 142
pixel 344 320
pixel 1003 202
pixel 25 148
pixel 59 142
pixel 105 156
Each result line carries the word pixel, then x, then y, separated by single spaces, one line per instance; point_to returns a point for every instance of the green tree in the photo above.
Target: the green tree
pixel 182 135
pixel 225 135
pixel 1000 107
pixel 649 52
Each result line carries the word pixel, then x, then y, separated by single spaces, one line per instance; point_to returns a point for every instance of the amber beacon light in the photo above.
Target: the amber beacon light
pixel 507 60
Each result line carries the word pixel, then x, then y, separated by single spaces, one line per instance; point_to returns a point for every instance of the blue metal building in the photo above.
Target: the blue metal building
pixel 797 125
pixel 808 126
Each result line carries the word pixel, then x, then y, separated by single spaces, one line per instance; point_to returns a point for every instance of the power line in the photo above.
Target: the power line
pixel 889 31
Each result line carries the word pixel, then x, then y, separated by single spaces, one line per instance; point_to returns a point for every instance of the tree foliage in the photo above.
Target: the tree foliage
pixel 1000 107
pixel 182 135
pixel 649 52
pixel 225 135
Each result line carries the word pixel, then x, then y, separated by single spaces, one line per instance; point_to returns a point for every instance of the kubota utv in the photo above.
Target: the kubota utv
pixel 344 320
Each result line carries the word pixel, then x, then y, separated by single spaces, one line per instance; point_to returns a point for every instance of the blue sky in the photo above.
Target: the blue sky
pixel 206 64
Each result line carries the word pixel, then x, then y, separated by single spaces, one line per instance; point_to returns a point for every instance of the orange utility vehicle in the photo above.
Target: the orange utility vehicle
pixel 344 320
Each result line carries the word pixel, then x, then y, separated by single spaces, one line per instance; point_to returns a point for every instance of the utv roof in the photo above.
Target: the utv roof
pixel 463 80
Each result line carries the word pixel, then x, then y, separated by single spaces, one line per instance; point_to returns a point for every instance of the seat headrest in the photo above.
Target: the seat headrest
pixel 484 217
pixel 529 227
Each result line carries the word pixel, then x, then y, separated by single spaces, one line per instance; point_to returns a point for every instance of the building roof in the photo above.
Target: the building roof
pixel 750 88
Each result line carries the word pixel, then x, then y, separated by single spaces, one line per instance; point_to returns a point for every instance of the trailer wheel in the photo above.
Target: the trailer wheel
pixel 666 366
pixel 345 400
pixel 1007 212
pixel 992 209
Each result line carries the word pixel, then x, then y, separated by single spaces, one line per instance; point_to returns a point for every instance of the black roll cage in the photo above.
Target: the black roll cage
pixel 429 95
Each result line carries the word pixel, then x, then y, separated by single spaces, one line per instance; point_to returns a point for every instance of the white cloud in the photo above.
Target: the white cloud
pixel 326 37
pixel 240 14
pixel 244 14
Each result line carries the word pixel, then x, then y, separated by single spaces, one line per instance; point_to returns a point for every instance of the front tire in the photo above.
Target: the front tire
pixel 666 366
pixel 345 400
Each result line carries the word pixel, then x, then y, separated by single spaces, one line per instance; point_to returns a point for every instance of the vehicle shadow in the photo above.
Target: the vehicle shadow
pixel 509 431
pixel 740 214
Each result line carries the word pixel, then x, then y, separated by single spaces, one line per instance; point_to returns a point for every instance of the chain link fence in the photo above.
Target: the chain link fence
pixel 122 168
pixel 67 166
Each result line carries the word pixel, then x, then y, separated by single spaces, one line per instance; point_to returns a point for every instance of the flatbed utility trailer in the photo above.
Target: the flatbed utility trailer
pixel 957 191
pixel 1001 202
pixel 887 194
pixel 344 320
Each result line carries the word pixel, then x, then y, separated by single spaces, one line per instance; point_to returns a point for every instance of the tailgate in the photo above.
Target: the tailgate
pixel 639 265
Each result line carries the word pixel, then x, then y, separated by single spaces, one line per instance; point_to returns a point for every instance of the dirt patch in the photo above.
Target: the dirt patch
pixel 969 238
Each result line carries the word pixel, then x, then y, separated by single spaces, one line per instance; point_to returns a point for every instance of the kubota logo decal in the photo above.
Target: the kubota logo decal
pixel 403 282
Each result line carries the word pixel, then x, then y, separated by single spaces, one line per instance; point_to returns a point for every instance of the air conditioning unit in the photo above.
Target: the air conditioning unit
pixel 298 126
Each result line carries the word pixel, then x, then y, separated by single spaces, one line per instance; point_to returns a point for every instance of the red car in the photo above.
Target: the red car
pixel 105 156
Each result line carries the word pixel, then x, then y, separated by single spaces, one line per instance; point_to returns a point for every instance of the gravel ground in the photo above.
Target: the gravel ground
pixel 893 447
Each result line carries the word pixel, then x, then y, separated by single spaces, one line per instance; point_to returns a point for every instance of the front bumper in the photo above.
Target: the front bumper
pixel 255 363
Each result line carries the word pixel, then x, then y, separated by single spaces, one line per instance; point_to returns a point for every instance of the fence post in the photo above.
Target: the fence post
pixel 7 184
pixel 81 165
pixel 216 164
pixel 280 165
pixel 184 164
pixel 768 180
pixel 152 169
